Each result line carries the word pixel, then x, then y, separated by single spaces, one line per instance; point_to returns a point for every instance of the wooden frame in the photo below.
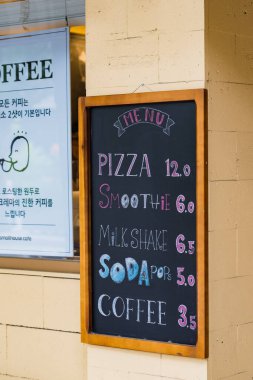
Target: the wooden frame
pixel 61 265
pixel 10 1
pixel 200 350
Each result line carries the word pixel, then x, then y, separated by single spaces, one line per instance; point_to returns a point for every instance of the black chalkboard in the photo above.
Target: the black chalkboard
pixel 143 221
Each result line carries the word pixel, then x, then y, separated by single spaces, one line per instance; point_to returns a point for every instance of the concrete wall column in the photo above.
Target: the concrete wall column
pixel 229 79
pixel 138 46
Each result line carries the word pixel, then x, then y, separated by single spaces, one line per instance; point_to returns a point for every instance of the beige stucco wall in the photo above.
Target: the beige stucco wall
pixel 138 46
pixel 151 45
pixel 39 327
pixel 229 73
pixel 158 43
pixel 132 45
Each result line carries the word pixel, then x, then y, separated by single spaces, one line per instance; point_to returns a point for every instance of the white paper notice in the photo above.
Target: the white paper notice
pixel 35 145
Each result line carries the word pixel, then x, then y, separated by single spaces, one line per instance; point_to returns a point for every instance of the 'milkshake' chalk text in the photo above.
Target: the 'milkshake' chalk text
pixel 134 238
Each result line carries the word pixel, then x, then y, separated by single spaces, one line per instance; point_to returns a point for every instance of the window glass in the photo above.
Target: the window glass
pixel 77 60
pixel 77 54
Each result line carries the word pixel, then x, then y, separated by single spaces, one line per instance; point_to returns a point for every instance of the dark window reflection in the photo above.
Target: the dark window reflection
pixel 77 58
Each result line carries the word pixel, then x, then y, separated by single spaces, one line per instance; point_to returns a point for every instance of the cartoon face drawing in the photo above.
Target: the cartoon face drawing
pixel 19 154
pixel 18 157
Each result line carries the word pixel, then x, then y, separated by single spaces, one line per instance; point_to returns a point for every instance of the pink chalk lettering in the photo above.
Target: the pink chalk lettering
pixel 137 115
pixel 180 276
pixel 149 115
pixel 179 243
pixel 143 115
pixel 191 247
pixel 162 202
pixel 159 122
pixel 193 323
pixel 191 280
pixel 183 320
pixel 107 188
pixel 167 203
pixel 187 170
pixel 128 116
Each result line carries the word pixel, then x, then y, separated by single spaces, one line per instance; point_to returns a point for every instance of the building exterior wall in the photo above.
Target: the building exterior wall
pixel 229 74
pixel 132 45
pixel 39 326
pixel 139 46
pixel 153 45
pixel 156 43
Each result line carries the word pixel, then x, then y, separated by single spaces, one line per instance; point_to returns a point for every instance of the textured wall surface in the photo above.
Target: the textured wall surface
pixel 229 73
pixel 158 43
pixel 132 45
pixel 139 46
pixel 152 45
pixel 39 327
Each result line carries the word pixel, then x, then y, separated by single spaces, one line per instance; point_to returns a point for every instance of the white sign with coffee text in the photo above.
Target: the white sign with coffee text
pixel 35 145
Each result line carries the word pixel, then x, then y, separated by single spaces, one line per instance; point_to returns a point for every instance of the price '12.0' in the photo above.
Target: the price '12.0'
pixel 172 169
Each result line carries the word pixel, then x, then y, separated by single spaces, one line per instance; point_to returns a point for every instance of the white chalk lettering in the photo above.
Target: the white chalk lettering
pixel 123 165
pixel 142 311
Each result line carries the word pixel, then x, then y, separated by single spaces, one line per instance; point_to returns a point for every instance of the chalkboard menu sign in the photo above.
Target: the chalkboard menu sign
pixel 143 226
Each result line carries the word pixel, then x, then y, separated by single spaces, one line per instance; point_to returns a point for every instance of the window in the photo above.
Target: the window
pixel 64 264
